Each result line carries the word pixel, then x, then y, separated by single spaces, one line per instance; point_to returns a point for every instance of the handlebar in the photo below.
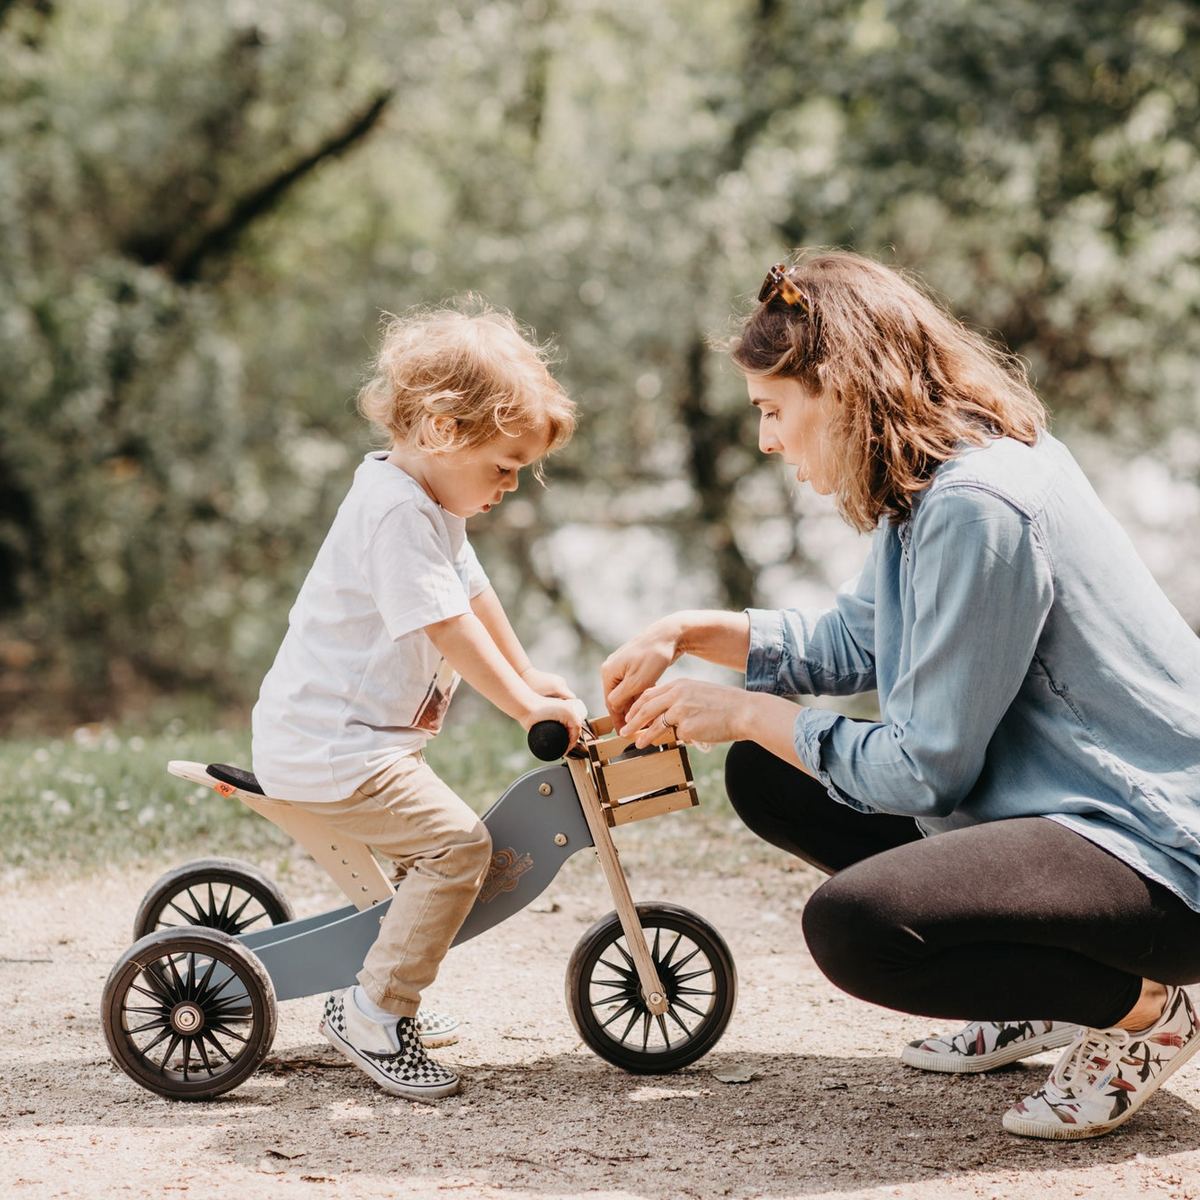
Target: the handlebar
pixel 548 740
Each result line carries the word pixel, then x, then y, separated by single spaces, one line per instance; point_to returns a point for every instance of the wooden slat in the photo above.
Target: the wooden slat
pixel 652 806
pixel 350 864
pixel 648 773
pixel 601 725
pixel 610 748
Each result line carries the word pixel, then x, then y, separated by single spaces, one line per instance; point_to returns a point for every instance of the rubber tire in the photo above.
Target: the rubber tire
pixel 210 870
pixel 602 935
pixel 229 951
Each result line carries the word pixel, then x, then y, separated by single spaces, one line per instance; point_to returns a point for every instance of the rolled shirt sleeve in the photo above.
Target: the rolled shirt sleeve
pixel 982 587
pixel 830 653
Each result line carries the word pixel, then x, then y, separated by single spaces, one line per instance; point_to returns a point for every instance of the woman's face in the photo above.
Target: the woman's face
pixel 794 423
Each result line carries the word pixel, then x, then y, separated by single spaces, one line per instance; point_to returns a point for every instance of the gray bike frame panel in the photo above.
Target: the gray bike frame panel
pixel 326 952
pixel 264 937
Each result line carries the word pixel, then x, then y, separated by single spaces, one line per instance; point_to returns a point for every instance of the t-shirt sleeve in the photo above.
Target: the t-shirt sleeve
pixel 410 571
pixel 476 576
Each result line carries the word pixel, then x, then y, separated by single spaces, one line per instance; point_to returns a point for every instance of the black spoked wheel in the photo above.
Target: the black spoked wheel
pixel 189 1013
pixel 217 893
pixel 606 1002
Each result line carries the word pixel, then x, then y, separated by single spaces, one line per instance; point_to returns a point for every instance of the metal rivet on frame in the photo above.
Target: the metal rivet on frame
pixel 545 789
pixel 560 839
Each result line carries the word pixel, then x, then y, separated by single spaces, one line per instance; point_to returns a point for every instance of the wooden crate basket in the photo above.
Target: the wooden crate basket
pixel 635 784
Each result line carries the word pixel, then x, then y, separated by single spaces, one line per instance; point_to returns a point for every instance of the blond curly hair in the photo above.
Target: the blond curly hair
pixel 910 383
pixel 456 377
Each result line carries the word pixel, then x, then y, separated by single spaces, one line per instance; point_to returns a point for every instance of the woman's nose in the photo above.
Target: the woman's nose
pixel 767 442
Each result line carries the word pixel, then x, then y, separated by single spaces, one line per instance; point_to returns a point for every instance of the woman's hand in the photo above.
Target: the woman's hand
pixel 698 711
pixel 547 684
pixel 632 668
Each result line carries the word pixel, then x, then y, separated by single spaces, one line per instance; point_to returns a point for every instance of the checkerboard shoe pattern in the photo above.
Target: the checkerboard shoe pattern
pixel 436 1029
pixel 1106 1075
pixel 986 1045
pixel 392 1055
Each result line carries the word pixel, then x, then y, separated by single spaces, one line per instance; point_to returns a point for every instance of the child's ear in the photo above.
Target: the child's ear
pixel 442 429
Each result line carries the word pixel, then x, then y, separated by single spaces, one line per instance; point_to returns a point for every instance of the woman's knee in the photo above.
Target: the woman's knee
pixel 775 800
pixel 853 933
pixel 749 771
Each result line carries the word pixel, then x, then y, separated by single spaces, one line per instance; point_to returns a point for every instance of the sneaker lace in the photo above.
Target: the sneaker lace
pixel 1077 1070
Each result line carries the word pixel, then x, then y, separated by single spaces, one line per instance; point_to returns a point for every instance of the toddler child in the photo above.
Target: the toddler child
pixel 395 609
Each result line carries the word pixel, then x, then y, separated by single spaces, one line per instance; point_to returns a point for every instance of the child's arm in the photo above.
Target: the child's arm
pixel 487 607
pixel 471 649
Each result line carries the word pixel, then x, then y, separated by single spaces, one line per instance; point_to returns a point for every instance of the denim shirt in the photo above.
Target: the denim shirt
pixel 1026 661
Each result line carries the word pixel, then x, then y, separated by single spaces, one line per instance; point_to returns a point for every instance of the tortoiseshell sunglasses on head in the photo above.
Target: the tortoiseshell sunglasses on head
pixel 778 284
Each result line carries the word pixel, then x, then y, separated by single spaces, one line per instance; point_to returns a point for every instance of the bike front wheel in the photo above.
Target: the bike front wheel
pixel 606 1002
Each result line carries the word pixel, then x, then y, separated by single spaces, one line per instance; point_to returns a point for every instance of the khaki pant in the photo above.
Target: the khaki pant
pixel 441 851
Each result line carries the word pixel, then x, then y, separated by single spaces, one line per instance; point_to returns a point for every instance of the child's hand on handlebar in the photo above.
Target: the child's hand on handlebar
pixel 571 713
pixel 547 684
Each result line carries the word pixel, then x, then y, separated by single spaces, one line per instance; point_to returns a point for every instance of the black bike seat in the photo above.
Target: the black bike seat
pixel 236 776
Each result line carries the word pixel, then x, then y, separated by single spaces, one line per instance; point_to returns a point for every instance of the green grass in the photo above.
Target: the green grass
pixel 102 796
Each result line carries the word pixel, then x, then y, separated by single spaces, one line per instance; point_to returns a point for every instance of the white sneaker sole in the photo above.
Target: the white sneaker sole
pixel 435 1041
pixel 973 1064
pixel 410 1091
pixel 1060 1132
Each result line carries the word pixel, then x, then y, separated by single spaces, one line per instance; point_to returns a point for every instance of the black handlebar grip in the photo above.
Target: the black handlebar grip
pixel 548 740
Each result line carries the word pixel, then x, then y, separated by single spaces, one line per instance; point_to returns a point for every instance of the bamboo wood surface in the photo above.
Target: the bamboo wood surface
pixel 652 806
pixel 652 988
pixel 350 865
pixel 648 773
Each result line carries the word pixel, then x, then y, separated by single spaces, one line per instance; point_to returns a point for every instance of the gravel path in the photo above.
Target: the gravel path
pixel 830 1111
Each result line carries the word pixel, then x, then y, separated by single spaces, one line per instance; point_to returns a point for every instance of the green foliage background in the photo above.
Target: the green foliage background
pixel 205 206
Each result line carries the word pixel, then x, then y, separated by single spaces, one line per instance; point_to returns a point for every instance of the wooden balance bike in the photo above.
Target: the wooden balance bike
pixel 189 1010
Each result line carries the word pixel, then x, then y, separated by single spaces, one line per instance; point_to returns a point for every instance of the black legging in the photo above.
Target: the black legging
pixel 1012 920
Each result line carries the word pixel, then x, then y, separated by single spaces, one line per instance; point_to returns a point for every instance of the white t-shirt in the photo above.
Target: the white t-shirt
pixel 356 683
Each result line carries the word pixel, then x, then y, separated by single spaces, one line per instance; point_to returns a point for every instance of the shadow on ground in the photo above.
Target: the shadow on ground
pixel 569 1123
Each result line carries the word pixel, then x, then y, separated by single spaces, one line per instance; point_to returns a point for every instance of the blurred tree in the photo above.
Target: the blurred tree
pixel 139 146
pixel 204 208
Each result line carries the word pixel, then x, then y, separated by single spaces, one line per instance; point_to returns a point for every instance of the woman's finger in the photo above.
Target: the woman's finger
pixel 660 729
pixel 634 713
pixel 624 696
pixel 612 671
pixel 650 706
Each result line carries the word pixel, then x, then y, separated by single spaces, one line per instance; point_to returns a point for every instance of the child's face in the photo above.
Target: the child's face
pixel 795 423
pixel 466 482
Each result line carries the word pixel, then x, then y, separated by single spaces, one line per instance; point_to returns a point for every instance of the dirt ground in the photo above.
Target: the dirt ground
pixel 830 1112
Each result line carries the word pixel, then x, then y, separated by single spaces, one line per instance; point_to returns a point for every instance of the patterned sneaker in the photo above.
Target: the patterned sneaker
pixel 1107 1075
pixel 436 1029
pixel 392 1055
pixel 986 1045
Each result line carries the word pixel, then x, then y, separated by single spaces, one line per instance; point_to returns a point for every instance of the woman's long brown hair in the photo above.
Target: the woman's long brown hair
pixel 910 383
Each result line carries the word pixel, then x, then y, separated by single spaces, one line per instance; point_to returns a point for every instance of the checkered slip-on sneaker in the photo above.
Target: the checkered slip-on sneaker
pixel 436 1029
pixel 392 1055
pixel 1106 1075
pixel 986 1045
